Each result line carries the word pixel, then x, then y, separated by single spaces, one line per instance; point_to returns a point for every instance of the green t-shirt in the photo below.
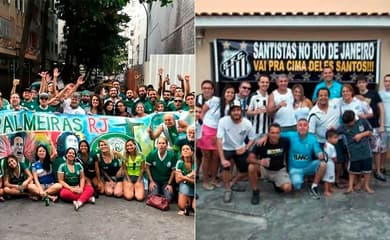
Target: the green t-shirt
pixel 18 179
pixel 29 105
pixel 161 169
pixel 180 166
pixel 148 106
pixel 71 178
pixel 133 166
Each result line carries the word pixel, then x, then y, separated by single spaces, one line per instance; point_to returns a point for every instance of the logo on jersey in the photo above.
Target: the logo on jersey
pixel 300 157
pixel 236 66
pixel 361 128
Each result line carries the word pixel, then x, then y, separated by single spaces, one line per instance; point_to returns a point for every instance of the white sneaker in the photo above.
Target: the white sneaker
pixel 76 205
pixel 92 200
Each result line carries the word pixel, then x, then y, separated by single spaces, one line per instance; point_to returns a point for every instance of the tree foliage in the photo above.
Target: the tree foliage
pixel 91 30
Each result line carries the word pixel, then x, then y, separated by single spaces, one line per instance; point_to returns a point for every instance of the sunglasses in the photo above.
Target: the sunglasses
pixel 44 98
pixel 178 100
pixel 247 88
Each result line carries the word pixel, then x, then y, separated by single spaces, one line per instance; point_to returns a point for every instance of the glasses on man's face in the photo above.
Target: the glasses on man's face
pixel 44 99
pixel 178 101
pixel 246 88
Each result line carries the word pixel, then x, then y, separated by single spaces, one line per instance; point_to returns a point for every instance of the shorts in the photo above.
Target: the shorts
pixel 207 141
pixel 341 151
pixel 360 166
pixel 377 141
pixel 186 189
pixel 329 175
pixel 133 178
pixel 386 138
pixel 279 177
pixel 114 179
pixel 239 160
pixel 297 174
pixel 90 175
pixel 46 186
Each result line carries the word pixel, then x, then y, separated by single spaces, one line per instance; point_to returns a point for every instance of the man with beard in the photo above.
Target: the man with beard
pixel 43 104
pixel 113 95
pixel 129 100
pixel 166 99
pixel 116 84
pixel 231 135
pixel 85 100
pixel 142 98
pixel 152 96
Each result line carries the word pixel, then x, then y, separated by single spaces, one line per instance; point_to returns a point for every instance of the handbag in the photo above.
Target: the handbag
pixel 158 202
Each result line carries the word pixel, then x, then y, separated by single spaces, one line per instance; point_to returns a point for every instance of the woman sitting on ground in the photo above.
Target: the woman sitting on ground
pixel 90 167
pixel 110 166
pixel 18 180
pixel 185 176
pixel 71 176
pixel 43 176
pixel 133 167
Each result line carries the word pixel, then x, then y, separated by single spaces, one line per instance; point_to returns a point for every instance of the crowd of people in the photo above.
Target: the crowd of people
pixel 335 137
pixel 70 171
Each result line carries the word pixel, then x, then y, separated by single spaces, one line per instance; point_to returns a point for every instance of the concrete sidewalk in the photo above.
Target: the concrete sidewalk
pixel 294 216
pixel 110 218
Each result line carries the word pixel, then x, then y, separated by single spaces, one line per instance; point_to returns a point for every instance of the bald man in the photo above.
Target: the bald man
pixel 170 127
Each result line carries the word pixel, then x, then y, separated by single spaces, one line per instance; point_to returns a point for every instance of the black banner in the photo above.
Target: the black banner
pixel 302 61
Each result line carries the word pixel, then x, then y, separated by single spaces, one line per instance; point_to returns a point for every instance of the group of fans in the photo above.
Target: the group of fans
pixel 283 136
pixel 79 176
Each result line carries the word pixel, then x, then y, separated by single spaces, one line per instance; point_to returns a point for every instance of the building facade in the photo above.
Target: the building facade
pixel 284 21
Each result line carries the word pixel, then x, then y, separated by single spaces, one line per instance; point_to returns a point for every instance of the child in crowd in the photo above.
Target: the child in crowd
pixel 331 157
pixel 357 133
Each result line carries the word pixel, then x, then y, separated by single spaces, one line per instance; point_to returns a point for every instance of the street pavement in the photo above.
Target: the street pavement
pixel 294 216
pixel 108 219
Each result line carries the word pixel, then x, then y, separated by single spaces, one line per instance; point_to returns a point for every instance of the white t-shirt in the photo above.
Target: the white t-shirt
pixel 357 106
pixel 330 152
pixel 68 109
pixel 233 134
pixel 212 115
pixel 320 121
pixel 285 116
pixel 385 95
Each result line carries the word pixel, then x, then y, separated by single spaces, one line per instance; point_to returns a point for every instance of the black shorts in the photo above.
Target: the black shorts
pixel 239 160
pixel 360 167
pixel 89 174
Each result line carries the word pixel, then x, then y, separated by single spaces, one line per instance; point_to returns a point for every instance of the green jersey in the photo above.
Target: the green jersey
pixel 180 166
pixel 71 178
pixel 161 169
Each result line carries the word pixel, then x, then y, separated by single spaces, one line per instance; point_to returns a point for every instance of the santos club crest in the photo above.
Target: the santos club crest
pixel 236 66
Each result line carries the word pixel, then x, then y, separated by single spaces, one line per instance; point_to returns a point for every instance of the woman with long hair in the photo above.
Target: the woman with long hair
pixel 228 94
pixel 108 108
pixel 43 175
pixel 110 168
pixel 18 180
pixel 185 177
pixel 88 162
pixel 96 105
pixel 302 104
pixel 133 167
pixel 121 109
pixel 71 177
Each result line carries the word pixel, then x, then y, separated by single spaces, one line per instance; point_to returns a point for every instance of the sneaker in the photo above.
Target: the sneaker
pixel 92 200
pixel 227 196
pixel 255 197
pixel 383 171
pixel 380 177
pixel 76 205
pixel 314 192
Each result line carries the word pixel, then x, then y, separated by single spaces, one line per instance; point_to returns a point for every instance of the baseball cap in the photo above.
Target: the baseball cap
pixel 235 103
pixel 43 95
pixel 85 92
